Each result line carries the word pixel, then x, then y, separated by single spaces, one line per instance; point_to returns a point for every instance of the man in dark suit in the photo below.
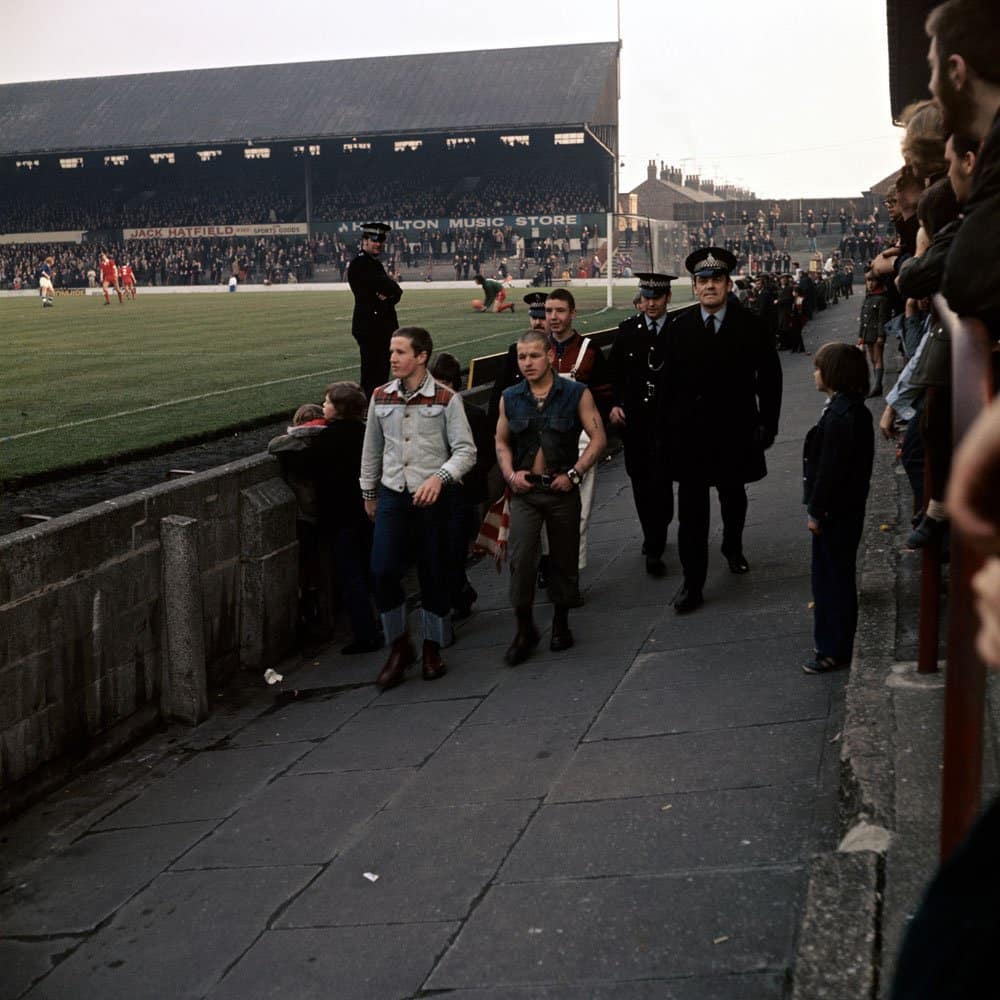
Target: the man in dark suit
pixel 719 413
pixel 635 373
pixel 375 298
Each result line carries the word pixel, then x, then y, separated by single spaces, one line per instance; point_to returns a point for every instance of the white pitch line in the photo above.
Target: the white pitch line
pixel 194 399
pixel 171 402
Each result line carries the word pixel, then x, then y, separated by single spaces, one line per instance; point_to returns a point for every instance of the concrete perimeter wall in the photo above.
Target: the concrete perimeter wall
pixel 111 621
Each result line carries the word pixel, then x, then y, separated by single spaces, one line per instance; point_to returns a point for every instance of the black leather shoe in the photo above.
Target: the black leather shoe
pixel 687 599
pixel 561 639
pixel 520 649
pixel 825 665
pixel 655 566
pixel 737 562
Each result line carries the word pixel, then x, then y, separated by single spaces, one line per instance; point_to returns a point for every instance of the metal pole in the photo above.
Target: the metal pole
pixel 611 285
pixel 965 679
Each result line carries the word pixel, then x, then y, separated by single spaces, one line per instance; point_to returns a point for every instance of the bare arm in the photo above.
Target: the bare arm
pixel 594 426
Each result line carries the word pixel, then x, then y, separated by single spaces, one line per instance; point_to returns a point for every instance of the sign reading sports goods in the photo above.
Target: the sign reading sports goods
pixel 196 232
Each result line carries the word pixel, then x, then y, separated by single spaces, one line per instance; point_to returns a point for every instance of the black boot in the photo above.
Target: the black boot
pixel 526 638
pixel 561 638
pixel 876 389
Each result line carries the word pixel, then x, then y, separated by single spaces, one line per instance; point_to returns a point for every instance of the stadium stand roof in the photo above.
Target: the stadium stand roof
pixel 557 85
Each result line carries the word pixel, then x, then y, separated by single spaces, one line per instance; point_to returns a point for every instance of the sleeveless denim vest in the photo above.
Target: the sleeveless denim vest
pixel 555 428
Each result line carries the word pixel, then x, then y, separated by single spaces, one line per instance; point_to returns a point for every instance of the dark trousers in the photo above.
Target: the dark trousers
pixel 404 532
pixel 463 518
pixel 834 584
pixel 694 518
pixel 374 361
pixel 350 548
pixel 652 491
pixel 560 513
pixel 911 455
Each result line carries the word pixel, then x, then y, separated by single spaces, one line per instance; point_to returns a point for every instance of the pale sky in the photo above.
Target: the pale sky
pixel 784 98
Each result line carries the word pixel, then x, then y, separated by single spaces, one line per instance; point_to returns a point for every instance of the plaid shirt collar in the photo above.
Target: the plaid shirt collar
pixel 426 388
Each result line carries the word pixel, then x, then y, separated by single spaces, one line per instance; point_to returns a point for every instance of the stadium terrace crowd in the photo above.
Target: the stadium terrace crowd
pixel 529 193
pixel 274 260
pixel 187 206
pixel 766 238
pixel 240 202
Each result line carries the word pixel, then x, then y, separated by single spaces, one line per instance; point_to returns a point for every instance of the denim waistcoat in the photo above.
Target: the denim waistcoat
pixel 555 428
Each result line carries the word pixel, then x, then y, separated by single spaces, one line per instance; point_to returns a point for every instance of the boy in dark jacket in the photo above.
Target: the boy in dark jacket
pixel 345 530
pixel 837 468
pixel 292 451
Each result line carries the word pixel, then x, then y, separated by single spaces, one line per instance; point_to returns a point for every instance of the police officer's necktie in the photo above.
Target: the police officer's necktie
pixel 710 323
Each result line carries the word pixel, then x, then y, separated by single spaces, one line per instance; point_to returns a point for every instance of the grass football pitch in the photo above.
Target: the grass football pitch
pixel 83 382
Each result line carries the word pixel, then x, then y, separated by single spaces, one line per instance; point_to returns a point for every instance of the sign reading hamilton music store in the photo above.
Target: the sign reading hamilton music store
pixel 474 222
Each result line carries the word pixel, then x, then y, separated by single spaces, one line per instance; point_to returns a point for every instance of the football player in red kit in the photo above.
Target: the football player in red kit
pixel 109 278
pixel 127 279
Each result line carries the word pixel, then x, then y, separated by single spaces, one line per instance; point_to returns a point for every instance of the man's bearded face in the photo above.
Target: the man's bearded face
pixel 957 108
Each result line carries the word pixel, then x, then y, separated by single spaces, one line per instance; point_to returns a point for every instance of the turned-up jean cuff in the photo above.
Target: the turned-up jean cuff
pixel 393 623
pixel 436 628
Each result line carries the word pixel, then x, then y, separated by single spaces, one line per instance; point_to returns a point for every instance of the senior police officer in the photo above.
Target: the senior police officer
pixel 719 413
pixel 635 374
pixel 375 298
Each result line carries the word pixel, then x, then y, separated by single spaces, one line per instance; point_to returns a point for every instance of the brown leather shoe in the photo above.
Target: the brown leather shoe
pixel 434 666
pixel 524 642
pixel 400 660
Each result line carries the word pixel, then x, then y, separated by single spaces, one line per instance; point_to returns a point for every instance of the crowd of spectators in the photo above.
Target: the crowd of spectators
pixel 67 209
pixel 529 192
pixel 75 205
pixel 270 260
pixel 764 241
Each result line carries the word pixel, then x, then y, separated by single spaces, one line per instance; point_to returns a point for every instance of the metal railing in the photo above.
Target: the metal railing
pixel 965 680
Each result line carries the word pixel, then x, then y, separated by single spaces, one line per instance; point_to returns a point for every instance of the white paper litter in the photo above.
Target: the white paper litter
pixel 371 876
pixel 272 676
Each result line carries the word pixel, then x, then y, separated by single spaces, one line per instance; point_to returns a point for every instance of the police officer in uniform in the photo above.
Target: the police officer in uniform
pixel 635 377
pixel 719 413
pixel 375 298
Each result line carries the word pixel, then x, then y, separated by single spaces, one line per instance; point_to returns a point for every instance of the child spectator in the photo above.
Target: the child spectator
pixel 875 313
pixel 291 450
pixel 345 530
pixel 837 467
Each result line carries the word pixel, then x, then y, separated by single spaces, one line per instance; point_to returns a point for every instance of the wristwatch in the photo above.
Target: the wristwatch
pixel 574 476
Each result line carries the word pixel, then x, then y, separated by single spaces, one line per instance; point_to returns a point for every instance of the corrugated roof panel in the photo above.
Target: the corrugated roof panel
pixel 560 85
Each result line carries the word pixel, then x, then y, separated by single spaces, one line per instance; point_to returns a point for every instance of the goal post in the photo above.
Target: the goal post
pixel 641 243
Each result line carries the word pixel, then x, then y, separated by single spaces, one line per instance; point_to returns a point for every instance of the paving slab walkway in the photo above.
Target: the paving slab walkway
pixel 630 819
